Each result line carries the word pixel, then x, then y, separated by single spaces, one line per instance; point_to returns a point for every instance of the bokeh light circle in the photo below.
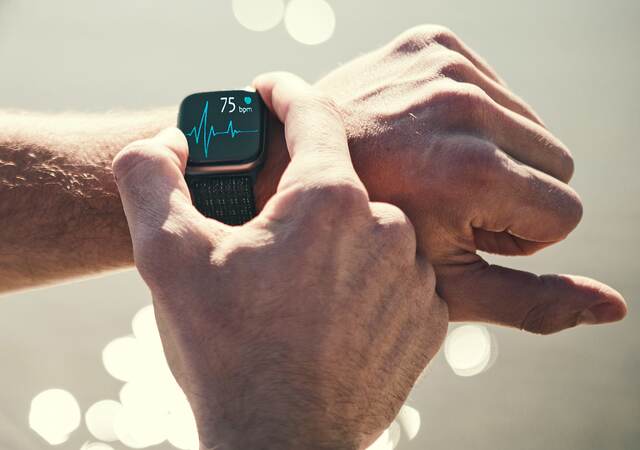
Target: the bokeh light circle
pixel 310 22
pixel 123 427
pixel 183 433
pixel 54 415
pixel 395 433
pixel 409 420
pixel 100 418
pixel 96 446
pixel 145 328
pixel 258 15
pixel 382 443
pixel 467 349
pixel 122 358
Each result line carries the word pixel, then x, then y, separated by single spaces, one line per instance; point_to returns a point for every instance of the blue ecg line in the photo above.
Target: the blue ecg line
pixel 196 131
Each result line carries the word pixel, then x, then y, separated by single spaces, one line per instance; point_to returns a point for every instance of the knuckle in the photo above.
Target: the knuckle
pixel 560 159
pixel 536 320
pixel 319 207
pixel 573 209
pixel 327 198
pixel 443 35
pixel 547 316
pixel 578 210
pixel 472 96
pixel 342 196
pixel 462 97
pixel 411 41
pixel 567 165
pixel 417 38
pixel 396 229
pixel 481 164
pixel 454 65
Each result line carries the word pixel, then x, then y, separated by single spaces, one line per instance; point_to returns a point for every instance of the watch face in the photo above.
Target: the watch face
pixel 223 127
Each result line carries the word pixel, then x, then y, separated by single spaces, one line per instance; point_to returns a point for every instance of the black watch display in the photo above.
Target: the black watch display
pixel 227 132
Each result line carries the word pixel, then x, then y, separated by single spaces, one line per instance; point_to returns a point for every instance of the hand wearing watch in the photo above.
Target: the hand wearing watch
pixel 227 132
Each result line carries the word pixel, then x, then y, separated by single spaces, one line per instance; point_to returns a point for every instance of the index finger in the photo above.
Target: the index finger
pixel 314 130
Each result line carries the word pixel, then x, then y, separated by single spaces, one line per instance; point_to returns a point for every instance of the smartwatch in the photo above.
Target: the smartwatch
pixel 227 132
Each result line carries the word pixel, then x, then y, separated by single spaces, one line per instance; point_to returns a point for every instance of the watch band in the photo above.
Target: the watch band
pixel 226 198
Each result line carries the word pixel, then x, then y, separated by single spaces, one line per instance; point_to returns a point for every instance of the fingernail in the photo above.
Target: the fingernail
pixel 601 313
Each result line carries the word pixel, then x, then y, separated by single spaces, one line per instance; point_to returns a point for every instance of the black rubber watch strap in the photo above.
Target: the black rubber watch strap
pixel 227 198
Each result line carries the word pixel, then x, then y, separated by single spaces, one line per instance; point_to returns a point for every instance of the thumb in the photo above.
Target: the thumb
pixel 150 177
pixel 539 304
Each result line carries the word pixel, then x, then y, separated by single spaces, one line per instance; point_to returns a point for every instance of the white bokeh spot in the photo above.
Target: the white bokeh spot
pixel 122 357
pixel 258 15
pixel 467 349
pixel 310 22
pixel 153 408
pixel 99 419
pixel 409 420
pixel 54 415
pixel 96 446
pixel 384 442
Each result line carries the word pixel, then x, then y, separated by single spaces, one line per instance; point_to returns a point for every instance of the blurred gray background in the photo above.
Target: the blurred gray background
pixel 576 61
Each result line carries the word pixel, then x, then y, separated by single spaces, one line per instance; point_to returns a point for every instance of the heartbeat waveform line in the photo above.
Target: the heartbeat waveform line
pixel 197 131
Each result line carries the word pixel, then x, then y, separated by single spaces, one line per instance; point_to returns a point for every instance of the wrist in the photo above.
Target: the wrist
pixel 262 409
pixel 272 430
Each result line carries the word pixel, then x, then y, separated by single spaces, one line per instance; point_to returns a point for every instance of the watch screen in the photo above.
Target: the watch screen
pixel 223 127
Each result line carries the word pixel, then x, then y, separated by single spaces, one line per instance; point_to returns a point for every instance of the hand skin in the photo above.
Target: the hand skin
pixel 306 327
pixel 431 129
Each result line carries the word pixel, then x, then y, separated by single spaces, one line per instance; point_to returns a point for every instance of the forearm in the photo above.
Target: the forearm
pixel 60 213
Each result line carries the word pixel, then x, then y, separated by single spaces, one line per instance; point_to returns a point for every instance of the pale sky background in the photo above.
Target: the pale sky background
pixel 576 61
